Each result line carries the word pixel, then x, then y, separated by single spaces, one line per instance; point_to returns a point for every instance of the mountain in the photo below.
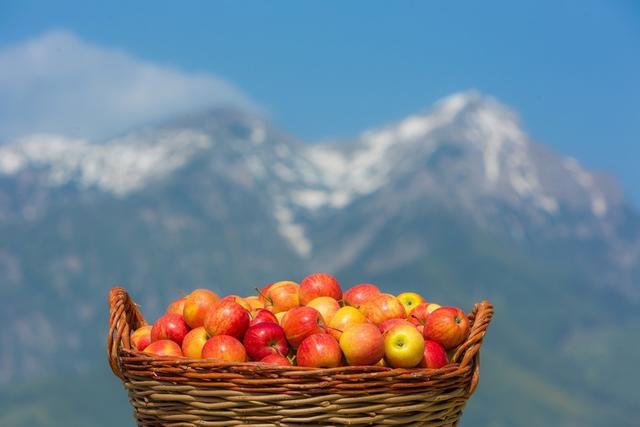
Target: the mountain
pixel 457 201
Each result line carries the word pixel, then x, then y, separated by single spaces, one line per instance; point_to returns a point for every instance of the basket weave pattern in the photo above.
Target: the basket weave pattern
pixel 193 392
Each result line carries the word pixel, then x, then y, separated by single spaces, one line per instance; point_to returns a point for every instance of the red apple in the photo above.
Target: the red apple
pixel 164 348
pixel 360 294
pixel 390 323
pixel 141 337
pixel 264 339
pixel 319 351
pixel 170 327
pixel 263 315
pixel 176 307
pixel 276 359
pixel 448 326
pixel 319 285
pixel 344 317
pixel 403 346
pixel 418 314
pixel 327 307
pixel 225 348
pixel 194 342
pixel 227 317
pixel 434 356
pixel 362 344
pixel 409 300
pixel 300 322
pixel 383 307
pixel 196 306
pixel 281 296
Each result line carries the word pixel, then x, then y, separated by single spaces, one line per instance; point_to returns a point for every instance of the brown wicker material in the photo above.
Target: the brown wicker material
pixel 190 392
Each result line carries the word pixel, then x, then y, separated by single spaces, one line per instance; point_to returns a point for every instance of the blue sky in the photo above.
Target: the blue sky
pixel 333 69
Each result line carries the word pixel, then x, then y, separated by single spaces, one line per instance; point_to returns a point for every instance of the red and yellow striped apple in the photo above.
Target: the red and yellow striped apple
pixel 300 322
pixel 344 317
pixel 196 306
pixel 164 348
pixel 319 285
pixel 434 356
pixel 362 344
pixel 383 307
pixel 169 327
pixel 141 337
pixel 327 307
pixel 448 326
pixel 227 317
pixel 224 348
pixel 359 294
pixel 194 342
pixel 319 351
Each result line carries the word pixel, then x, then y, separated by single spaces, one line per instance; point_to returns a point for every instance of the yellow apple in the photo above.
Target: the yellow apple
pixel 403 346
pixel 410 300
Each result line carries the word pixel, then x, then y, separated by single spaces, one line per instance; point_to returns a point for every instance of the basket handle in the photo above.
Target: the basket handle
pixel 124 317
pixel 469 350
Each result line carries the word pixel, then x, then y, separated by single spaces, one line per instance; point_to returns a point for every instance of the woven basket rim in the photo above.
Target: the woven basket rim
pixel 125 317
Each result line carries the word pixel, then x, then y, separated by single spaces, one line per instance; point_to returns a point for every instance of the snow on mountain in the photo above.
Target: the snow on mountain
pixel 496 161
pixel 120 166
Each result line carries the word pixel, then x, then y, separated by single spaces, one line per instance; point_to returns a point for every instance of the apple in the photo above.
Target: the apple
pixel 403 346
pixel 281 296
pixel 176 307
pixel 300 322
pixel 319 351
pixel 344 317
pixel 263 315
pixel 235 298
pixel 390 323
pixel 418 314
pixel 410 300
pixel 432 307
pixel 193 343
pixel 280 317
pixel 327 307
pixel 319 285
pixel 362 344
pixel 254 302
pixel 196 306
pixel 359 294
pixel 264 339
pixel 225 348
pixel 446 325
pixel 169 327
pixel 276 359
pixel 141 337
pixel 164 348
pixel 383 307
pixel 434 356
pixel 227 317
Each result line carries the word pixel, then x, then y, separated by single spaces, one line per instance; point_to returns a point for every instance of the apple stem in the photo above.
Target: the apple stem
pixel 269 300
pixel 335 329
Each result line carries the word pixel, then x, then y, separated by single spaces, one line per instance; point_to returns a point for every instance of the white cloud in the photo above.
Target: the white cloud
pixel 58 83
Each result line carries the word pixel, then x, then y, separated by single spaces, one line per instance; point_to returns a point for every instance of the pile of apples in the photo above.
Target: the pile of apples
pixel 312 324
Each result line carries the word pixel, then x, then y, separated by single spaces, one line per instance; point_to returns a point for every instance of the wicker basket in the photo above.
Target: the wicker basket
pixel 188 392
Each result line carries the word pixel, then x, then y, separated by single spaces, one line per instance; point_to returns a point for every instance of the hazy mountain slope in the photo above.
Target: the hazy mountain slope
pixel 456 201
